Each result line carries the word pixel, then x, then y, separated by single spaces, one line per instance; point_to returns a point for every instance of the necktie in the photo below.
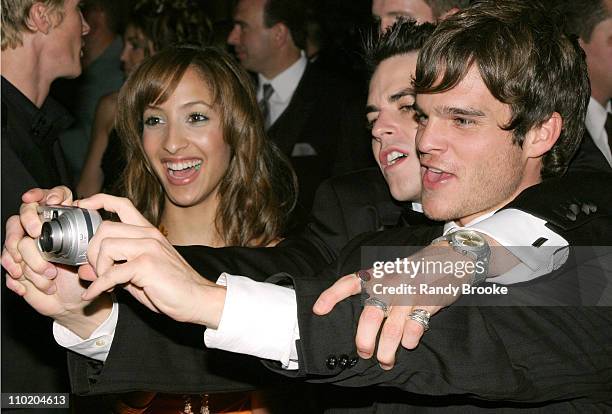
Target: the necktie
pixel 609 129
pixel 264 103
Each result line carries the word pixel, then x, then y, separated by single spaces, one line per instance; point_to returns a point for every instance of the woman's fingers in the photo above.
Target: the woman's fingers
pixel 57 195
pixel 119 205
pixel 115 230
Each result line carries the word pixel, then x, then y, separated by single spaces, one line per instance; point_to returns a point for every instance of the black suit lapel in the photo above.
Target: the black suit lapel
pixel 285 132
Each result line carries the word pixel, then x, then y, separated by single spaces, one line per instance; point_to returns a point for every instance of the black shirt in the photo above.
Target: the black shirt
pixel 31 157
pixel 31 154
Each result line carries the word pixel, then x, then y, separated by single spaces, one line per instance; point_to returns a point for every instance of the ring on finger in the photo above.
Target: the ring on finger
pixel 364 277
pixel 379 304
pixel 422 317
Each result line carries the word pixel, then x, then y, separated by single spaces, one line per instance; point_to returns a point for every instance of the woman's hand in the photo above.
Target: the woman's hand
pixel 52 290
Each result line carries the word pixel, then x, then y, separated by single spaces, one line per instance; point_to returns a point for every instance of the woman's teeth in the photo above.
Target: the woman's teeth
pixel 183 165
pixel 183 169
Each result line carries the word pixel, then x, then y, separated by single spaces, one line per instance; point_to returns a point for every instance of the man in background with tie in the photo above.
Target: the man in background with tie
pixel 592 22
pixel 315 118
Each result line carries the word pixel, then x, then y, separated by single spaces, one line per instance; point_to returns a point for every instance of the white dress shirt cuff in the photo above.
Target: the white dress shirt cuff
pixel 98 345
pixel 517 231
pixel 259 319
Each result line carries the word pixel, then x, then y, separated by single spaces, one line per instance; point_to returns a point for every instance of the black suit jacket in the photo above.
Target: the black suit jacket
pixel 499 354
pixel 588 157
pixel 328 114
pixel 349 205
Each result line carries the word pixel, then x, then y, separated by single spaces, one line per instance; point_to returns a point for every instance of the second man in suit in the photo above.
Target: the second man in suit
pixel 592 22
pixel 314 117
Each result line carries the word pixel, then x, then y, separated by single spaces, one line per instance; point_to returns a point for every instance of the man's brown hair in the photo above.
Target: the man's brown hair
pixel 15 16
pixel 524 59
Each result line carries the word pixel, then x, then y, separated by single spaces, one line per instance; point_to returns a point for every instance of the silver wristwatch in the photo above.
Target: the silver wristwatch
pixel 472 244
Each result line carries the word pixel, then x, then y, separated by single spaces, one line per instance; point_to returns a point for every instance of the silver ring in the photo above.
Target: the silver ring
pixel 421 316
pixel 379 304
pixel 364 277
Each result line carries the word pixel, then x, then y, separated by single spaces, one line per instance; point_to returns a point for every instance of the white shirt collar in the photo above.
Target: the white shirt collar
pixel 596 117
pixel 417 207
pixel 451 225
pixel 286 82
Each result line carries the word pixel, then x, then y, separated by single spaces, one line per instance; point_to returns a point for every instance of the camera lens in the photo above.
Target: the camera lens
pixel 46 240
pixel 51 236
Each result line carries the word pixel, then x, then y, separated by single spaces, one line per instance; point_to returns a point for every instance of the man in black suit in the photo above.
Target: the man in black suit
pixel 483 341
pixel 351 204
pixel 314 117
pixel 388 195
pixel 41 41
pixel 592 22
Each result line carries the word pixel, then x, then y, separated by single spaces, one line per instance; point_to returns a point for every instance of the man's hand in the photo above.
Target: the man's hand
pixel 397 328
pixel 28 213
pixel 151 270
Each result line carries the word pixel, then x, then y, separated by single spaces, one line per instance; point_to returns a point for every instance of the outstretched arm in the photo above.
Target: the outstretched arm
pixel 533 226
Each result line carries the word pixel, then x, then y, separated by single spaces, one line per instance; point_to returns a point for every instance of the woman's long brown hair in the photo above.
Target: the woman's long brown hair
pixel 259 189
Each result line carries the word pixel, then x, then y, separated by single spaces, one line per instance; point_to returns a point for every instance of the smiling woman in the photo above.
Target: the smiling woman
pixel 153 25
pixel 198 164
pixel 183 141
pixel 197 153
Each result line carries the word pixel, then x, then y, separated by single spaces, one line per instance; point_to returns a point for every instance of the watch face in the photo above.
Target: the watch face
pixel 469 238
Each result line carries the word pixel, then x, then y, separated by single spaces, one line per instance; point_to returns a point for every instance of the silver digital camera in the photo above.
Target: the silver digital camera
pixel 66 232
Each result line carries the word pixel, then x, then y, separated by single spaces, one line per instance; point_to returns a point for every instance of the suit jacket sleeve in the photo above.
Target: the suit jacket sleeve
pixel 521 354
pixel 153 352
pixel 294 254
